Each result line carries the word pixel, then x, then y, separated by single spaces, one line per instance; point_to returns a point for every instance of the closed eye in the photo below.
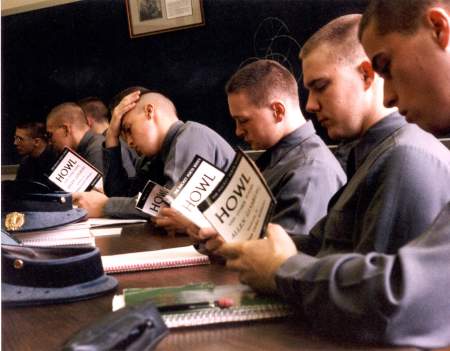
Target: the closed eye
pixel 382 65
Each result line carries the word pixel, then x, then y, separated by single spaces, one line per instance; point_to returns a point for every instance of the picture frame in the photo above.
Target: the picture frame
pixel 149 17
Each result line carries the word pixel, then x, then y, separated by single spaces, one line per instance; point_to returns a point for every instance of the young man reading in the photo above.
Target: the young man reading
pixel 399 298
pixel 150 125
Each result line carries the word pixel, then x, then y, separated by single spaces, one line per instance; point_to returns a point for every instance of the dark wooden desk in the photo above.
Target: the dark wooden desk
pixel 47 328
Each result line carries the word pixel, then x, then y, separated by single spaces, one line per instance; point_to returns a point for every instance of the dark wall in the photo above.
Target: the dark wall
pixel 81 49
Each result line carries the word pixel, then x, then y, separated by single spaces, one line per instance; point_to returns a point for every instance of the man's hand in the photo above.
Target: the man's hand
pixel 258 260
pixel 125 105
pixel 92 201
pixel 172 221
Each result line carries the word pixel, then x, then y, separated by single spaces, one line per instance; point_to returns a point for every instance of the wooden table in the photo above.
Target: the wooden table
pixel 47 328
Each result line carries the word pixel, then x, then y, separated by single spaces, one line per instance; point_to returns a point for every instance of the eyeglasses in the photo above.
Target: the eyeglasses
pixel 19 139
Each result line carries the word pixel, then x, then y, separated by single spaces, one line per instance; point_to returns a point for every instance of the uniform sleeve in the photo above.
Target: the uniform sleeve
pixel 397 299
pixel 116 178
pixel 410 189
pixel 303 196
pixel 123 207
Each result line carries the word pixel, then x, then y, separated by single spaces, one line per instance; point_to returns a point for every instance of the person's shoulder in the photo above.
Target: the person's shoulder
pixel 415 141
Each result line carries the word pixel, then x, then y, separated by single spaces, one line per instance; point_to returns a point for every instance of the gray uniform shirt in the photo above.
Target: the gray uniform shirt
pixel 183 141
pixel 400 299
pixel 399 187
pixel 90 148
pixel 303 175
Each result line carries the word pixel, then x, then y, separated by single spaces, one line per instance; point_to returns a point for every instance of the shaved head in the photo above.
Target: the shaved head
pixel 68 112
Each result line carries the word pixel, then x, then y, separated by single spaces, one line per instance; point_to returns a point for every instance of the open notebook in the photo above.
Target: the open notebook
pixel 157 259
pixel 200 304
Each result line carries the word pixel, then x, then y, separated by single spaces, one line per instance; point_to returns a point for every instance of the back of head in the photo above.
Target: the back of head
pixel 35 129
pixel 94 107
pixel 71 113
pixel 402 16
pixel 341 36
pixel 261 80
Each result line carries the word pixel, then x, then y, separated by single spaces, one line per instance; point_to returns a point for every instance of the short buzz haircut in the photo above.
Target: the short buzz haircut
pixel 260 79
pixel 127 91
pixel 94 107
pixel 401 16
pixel 69 112
pixel 341 35
pixel 35 129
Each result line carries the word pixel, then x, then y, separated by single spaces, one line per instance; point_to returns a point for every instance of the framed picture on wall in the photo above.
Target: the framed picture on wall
pixel 146 17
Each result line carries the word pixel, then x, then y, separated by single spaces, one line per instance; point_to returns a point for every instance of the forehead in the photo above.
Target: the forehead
pixel 132 116
pixel 319 61
pixel 375 43
pixel 22 131
pixel 239 101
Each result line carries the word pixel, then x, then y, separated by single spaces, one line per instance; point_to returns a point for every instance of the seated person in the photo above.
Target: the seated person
pixel 97 115
pixel 37 156
pixel 150 125
pixel 388 199
pixel 67 127
pixel 298 167
pixel 117 180
pixel 399 298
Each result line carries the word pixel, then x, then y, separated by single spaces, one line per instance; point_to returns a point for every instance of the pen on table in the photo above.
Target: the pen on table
pixel 221 303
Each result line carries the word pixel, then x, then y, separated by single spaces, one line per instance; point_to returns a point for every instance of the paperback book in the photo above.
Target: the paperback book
pixel 240 206
pixel 197 182
pixel 72 173
pixel 152 199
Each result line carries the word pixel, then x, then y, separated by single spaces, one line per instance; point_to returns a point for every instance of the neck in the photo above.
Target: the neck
pixel 293 121
pixel 78 135
pixel 100 127
pixel 38 150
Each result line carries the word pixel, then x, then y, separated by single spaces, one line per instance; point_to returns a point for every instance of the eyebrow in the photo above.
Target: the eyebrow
pixel 313 82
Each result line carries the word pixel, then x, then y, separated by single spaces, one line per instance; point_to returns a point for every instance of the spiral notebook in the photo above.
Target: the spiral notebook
pixel 202 304
pixel 151 260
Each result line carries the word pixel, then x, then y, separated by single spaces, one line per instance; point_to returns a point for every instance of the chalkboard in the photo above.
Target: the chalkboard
pixel 81 49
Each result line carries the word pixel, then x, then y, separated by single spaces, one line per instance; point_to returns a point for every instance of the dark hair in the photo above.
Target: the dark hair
pixel 341 35
pixel 260 78
pixel 119 96
pixel 35 129
pixel 402 16
pixel 95 107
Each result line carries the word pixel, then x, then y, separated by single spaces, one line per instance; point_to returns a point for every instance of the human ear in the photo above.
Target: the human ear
pixel 279 110
pixel 367 73
pixel 149 109
pixel 438 19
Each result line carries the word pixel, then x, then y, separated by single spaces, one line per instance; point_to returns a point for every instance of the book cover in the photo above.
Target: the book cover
pixel 197 182
pixel 151 200
pixel 205 303
pixel 72 173
pixel 157 259
pixel 240 206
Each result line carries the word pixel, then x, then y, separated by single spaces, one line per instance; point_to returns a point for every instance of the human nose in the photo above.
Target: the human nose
pixel 239 131
pixel 312 104
pixel 390 96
